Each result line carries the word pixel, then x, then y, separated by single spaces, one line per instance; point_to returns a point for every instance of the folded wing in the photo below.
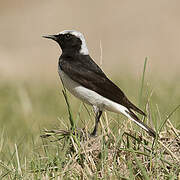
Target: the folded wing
pixel 95 79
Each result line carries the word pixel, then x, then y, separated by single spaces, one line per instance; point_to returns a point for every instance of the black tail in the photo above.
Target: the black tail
pixel 149 130
pixel 133 107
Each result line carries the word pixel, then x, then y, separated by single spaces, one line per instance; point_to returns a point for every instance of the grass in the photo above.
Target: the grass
pixel 121 151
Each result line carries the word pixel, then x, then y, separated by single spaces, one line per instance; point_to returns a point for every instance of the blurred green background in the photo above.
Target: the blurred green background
pixel 30 90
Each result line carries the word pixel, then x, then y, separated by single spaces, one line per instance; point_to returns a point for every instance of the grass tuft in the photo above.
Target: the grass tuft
pixel 68 152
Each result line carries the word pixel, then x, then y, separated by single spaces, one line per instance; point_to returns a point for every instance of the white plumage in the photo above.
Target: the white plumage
pixel 91 97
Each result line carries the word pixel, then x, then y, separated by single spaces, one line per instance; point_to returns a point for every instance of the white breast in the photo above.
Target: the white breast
pixel 89 96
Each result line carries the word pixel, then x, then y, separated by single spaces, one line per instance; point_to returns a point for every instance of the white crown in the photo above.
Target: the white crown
pixel 84 49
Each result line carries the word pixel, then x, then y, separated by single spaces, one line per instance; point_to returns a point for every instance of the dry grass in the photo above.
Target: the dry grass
pixel 121 151
pixel 124 154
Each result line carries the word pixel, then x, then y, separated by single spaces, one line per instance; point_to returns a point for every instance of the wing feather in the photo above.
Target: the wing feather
pixel 92 77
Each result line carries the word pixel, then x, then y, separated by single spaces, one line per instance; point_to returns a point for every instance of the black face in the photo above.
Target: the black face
pixel 67 42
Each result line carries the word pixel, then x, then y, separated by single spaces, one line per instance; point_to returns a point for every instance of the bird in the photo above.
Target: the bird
pixel 83 78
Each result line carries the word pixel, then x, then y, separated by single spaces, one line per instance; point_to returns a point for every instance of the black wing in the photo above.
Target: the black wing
pixel 89 75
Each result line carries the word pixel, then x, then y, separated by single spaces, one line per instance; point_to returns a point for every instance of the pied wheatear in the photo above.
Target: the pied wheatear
pixel 85 80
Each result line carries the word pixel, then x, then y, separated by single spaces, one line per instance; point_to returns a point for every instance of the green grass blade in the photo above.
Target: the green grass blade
pixel 130 168
pixel 142 82
pixel 69 109
pixel 143 170
pixel 164 122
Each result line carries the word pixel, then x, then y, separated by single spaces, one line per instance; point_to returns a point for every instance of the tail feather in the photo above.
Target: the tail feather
pixel 133 107
pixel 134 118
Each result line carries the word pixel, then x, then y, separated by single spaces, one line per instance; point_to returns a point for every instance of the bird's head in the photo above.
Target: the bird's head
pixel 70 40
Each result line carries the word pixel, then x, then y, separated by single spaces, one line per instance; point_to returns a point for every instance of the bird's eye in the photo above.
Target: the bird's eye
pixel 67 36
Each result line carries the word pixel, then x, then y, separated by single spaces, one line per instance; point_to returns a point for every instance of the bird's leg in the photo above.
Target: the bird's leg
pixel 98 113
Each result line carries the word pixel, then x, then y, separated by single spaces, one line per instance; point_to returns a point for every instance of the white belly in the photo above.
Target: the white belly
pixel 89 96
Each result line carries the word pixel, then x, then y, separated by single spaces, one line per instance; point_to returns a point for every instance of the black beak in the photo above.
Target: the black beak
pixel 53 37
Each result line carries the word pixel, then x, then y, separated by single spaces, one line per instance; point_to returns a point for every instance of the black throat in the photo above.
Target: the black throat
pixel 70 53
